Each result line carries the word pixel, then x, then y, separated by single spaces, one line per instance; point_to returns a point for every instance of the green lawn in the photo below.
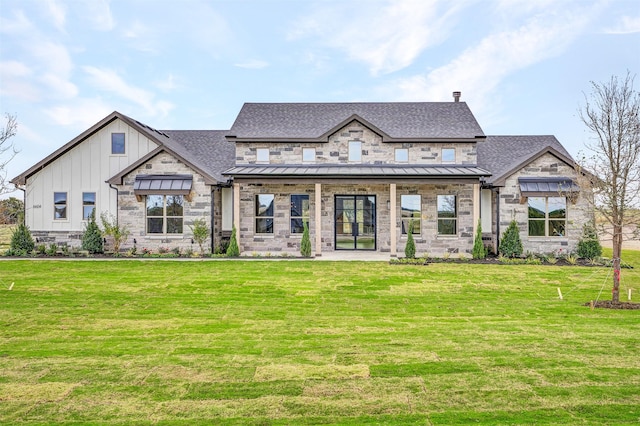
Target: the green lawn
pixel 314 342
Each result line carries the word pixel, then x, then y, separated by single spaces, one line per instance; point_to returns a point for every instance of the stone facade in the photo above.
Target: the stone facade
pixel 132 213
pixel 374 151
pixel 514 206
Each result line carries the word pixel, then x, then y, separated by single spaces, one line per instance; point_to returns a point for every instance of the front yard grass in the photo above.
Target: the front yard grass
pixel 314 342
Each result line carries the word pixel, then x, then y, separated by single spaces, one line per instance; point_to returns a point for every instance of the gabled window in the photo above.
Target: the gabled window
pixel 88 204
pixel 117 143
pixel 547 216
pixel 299 212
pixel 262 155
pixel 447 215
pixel 355 151
pixel 402 155
pixel 264 213
pixel 165 214
pixel 411 213
pixel 308 155
pixel 59 205
pixel 448 155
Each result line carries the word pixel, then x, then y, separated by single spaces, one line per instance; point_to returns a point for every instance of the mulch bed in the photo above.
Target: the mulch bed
pixel 608 304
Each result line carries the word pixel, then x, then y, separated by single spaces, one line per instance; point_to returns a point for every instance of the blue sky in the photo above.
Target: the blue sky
pixel 522 66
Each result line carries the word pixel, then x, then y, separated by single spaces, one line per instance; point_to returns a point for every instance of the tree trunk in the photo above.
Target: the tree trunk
pixel 617 251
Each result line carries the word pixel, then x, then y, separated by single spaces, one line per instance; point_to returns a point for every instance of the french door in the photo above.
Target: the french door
pixel 355 222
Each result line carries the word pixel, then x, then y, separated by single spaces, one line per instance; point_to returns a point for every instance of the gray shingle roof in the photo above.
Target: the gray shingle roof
pixel 313 121
pixel 503 154
pixel 206 149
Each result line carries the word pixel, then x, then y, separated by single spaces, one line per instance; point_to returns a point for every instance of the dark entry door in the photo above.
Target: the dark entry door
pixel 355 222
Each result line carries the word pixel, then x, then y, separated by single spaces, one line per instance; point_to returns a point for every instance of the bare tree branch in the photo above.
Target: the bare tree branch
pixel 7 150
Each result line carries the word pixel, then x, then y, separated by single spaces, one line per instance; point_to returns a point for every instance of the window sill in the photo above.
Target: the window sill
pixel 165 236
pixel 447 236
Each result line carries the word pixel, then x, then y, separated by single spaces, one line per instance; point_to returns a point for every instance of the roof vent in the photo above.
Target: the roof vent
pixel 456 96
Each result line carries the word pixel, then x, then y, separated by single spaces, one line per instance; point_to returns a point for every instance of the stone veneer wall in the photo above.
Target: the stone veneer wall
pixel 511 207
pixel 374 151
pixel 283 241
pixel 132 213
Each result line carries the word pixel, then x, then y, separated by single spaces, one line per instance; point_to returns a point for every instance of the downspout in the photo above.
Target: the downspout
pixel 497 220
pixel 117 203
pixel 24 204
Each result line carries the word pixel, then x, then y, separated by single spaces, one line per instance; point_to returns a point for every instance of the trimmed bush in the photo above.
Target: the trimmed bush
pixel 21 241
pixel 233 250
pixel 510 244
pixel 479 251
pixel 92 237
pixel 589 245
pixel 305 244
pixel 410 248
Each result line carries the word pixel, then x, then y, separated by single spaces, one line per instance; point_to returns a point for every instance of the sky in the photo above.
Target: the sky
pixel 523 67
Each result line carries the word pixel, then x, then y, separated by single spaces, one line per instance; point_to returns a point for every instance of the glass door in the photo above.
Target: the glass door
pixel 355 222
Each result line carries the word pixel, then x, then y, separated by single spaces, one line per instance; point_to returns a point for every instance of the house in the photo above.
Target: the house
pixel 358 173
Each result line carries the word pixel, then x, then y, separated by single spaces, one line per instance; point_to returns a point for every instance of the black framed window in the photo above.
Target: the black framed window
pixel 59 205
pixel 264 213
pixel 447 215
pixel 88 204
pixel 117 143
pixel 165 214
pixel 411 212
pixel 547 216
pixel 299 212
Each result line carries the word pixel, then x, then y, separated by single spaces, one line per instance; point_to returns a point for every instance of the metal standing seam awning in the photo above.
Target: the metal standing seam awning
pixel 547 186
pixel 162 185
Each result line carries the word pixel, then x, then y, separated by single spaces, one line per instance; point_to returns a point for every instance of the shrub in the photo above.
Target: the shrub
pixel 410 248
pixel 589 245
pixel 233 250
pixel 115 231
pixel 92 237
pixel 510 244
pixel 21 240
pixel 305 244
pixel 200 232
pixel 479 251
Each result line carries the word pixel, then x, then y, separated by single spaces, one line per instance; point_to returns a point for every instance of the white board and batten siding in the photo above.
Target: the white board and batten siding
pixel 83 168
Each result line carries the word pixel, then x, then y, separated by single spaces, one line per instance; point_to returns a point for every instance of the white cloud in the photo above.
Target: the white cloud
pixel 386 36
pixel 479 70
pixel 58 14
pixel 80 114
pixel 110 81
pixel 254 64
pixel 15 77
pixel 168 84
pixel 141 37
pixel 627 25
pixel 98 13
pixel 59 87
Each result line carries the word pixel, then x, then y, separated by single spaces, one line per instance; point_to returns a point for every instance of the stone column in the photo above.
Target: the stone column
pixel 236 212
pixel 318 219
pixel 392 219
pixel 476 207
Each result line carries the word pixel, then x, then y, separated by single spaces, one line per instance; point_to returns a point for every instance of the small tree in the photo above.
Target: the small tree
pixel 21 241
pixel 115 231
pixel 510 244
pixel 200 232
pixel 589 245
pixel 11 210
pixel 410 247
pixel 305 244
pixel 7 150
pixel 233 250
pixel 478 247
pixel 612 114
pixel 92 237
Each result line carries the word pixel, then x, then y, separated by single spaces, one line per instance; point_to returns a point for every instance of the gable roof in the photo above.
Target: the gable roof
pixel 206 151
pixel 395 121
pixel 503 155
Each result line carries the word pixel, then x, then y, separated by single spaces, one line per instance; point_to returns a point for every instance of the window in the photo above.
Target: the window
pixel 264 213
pixel 402 155
pixel 355 151
pixel 447 215
pixel 117 143
pixel 59 205
pixel 88 204
pixel 262 155
pixel 299 213
pixel 165 214
pixel 547 216
pixel 411 212
pixel 448 155
pixel 308 155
